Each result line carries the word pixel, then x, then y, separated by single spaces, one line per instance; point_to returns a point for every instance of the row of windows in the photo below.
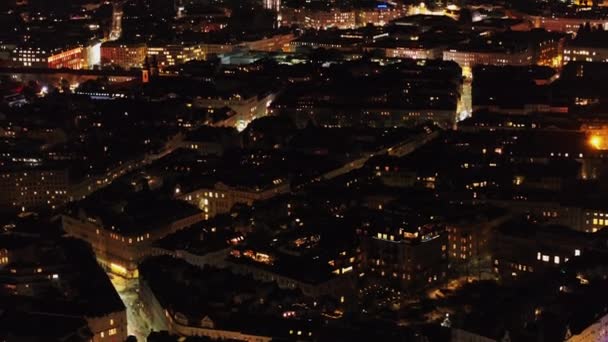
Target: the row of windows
pixel 110 332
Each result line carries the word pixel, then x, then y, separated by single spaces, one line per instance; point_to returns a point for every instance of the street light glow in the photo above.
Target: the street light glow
pixel 596 142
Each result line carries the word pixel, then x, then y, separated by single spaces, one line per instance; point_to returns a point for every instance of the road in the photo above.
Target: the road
pixel 399 149
pixel 138 323
pixel 465 104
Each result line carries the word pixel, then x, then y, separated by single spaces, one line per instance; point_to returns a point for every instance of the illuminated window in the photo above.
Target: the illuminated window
pixel 577 252
pixel 545 258
pixel 556 260
pixel 112 331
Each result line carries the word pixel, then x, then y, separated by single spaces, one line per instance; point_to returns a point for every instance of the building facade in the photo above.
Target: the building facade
pixel 31 189
pixel 58 58
pixel 126 56
pixel 406 259
pixel 118 252
pixel 221 198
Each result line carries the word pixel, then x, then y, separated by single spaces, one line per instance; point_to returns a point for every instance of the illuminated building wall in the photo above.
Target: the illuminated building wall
pixel 120 253
pixel 246 108
pixel 169 55
pixel 180 326
pixel 406 260
pixel 125 56
pixel 30 57
pixel 468 59
pixel 93 55
pixel 566 25
pixel 380 15
pixel 469 245
pixel 275 43
pixel 117 13
pixel 32 189
pixel 539 251
pixel 71 59
pixel 222 197
pixel 109 327
pixel 318 19
pixel 342 19
pixel 462 243
pixel 585 54
pixel 208 49
pixel 582 219
pixel 595 220
pixel 549 53
pixel 274 5
pixel 413 53
pixel 4 257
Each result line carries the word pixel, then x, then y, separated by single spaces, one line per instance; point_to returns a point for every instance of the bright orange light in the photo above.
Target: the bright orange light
pixel 596 141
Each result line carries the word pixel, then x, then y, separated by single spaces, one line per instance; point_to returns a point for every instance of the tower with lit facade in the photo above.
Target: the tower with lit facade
pixel 116 30
pixel 274 5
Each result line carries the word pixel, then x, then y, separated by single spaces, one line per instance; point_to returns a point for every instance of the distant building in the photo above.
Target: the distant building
pixel 521 248
pixel 274 5
pixel 509 48
pixel 566 22
pixel 29 189
pixel 222 197
pixel 166 55
pixel 376 97
pixel 469 238
pixel 126 56
pixel 52 58
pixel 587 47
pixel 318 19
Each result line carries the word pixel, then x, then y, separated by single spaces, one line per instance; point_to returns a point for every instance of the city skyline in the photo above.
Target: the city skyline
pixel 303 170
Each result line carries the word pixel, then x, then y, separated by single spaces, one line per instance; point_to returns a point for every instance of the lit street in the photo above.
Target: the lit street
pixel 137 320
